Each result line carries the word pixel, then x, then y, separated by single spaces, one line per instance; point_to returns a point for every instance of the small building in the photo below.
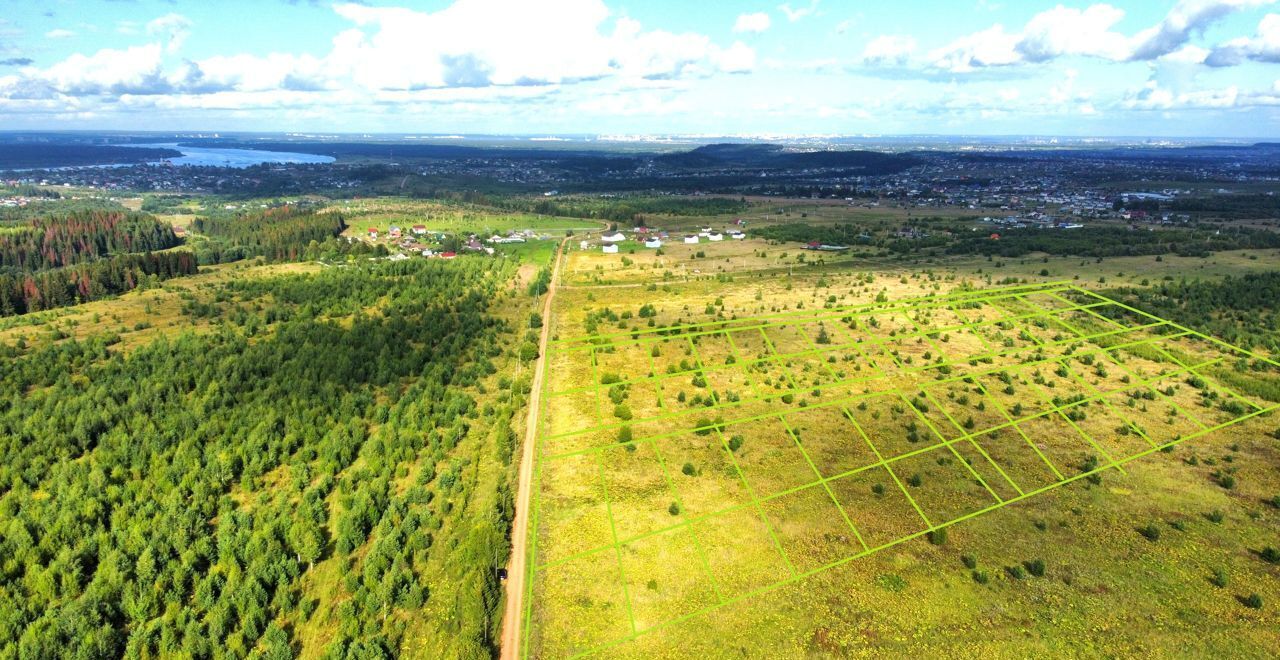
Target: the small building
pixel 737 235
pixel 613 237
pixel 610 248
pixel 584 245
pixel 373 233
pixel 394 232
pixel 653 243
pixel 691 239
pixel 715 236
pixel 448 255
pixel 419 230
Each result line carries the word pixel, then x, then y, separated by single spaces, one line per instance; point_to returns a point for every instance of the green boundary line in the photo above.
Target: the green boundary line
pixel 884 462
pixel 1062 360
pixel 762 590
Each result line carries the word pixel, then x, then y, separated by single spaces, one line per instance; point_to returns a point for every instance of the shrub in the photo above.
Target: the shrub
pixel 703 426
pixel 1016 572
pixel 735 443
pixel 938 536
pixel 981 577
pixel 915 480
pixel 1215 516
pixel 1219 578
pixel 674 509
pixel 878 489
pixel 1151 532
pixel 970 561
pixel 689 470
pixel 1227 481
pixel 1253 601
pixel 1270 555
pixel 624 434
pixel 1035 567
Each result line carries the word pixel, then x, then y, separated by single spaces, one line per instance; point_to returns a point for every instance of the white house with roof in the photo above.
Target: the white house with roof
pixel 715 236
pixel 737 235
pixel 653 243
pixel 691 239
pixel 610 248
pixel 613 237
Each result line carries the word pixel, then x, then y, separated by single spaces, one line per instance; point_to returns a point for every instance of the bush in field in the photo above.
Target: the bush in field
pixel 1016 572
pixel 1150 531
pixel 1035 567
pixel 970 562
pixel 981 577
pixel 915 480
pixel 938 536
pixel 1252 601
pixel 674 509
pixel 688 470
pixel 1219 578
pixel 735 443
pixel 1270 555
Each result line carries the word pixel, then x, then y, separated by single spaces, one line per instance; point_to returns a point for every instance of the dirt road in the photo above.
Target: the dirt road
pixel 513 617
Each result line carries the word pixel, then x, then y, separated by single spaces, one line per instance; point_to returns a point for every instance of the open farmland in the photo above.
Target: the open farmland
pixel 698 471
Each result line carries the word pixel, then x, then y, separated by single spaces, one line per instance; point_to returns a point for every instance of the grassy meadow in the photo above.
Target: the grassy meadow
pixel 698 494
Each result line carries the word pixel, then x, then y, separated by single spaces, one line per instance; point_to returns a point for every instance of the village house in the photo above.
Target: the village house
pixel 373 233
pixel 610 248
pixel 653 243
pixel 394 232
pixel 715 236
pixel 613 237
pixel 419 230
pixel 691 239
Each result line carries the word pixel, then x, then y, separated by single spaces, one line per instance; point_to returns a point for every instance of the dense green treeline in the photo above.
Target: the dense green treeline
pixel 1113 242
pixel 279 234
pixel 79 237
pixel 59 287
pixel 624 209
pixel 1243 311
pixel 310 473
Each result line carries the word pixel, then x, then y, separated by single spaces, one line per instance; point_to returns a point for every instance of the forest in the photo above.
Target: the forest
pixel 1113 242
pixel 58 287
pixel 308 473
pixel 1243 311
pixel 81 236
pixel 279 234
pixel 624 209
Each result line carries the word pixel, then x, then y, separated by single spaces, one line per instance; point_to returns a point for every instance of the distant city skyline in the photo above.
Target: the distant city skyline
pixel 1188 68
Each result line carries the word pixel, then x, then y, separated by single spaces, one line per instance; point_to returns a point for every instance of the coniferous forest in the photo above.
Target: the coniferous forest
pixel 82 255
pixel 308 470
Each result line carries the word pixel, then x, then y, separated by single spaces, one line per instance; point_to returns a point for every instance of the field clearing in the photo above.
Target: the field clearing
pixel 636 264
pixel 139 316
pixel 382 213
pixel 732 469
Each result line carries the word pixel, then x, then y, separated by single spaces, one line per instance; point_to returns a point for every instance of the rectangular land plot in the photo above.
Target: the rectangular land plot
pixel 836 432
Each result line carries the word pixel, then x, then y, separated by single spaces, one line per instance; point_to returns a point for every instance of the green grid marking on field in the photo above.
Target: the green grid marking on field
pixel 1052 346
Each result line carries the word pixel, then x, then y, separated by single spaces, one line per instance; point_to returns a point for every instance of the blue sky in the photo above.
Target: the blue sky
pixel 1178 68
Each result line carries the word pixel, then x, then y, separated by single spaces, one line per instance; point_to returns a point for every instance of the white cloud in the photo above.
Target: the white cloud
pixel 757 22
pixel 794 15
pixel 469 44
pixel 173 28
pixel 1067 32
pixel 1262 47
pixel 59 33
pixel 1186 18
pixel 888 50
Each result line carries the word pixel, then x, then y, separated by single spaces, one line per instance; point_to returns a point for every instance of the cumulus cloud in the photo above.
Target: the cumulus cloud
pixel 388 49
pixel 796 14
pixel 1262 47
pixel 1186 18
pixel 757 22
pixel 888 50
pixel 17 61
pixel 1066 31
pixel 173 28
